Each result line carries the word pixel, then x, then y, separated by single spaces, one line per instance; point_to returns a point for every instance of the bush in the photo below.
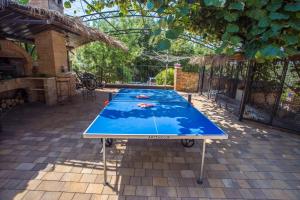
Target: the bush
pixel 160 77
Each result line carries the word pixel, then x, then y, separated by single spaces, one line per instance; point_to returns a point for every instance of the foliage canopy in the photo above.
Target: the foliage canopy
pixel 261 29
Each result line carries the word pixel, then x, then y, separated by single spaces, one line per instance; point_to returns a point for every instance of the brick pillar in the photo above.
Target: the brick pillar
pixel 185 81
pixel 177 74
pixel 52 52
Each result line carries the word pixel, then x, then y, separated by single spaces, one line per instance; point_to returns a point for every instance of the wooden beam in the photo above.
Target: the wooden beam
pixel 29 21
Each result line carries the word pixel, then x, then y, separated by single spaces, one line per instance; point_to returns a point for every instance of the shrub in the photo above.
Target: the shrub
pixel 160 77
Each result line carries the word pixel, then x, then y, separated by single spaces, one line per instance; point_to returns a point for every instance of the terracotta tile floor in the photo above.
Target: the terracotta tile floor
pixel 42 156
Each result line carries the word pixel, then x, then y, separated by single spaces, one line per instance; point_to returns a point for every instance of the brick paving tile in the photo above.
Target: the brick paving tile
pixel 182 192
pixel 33 195
pixel 139 172
pixel 50 186
pixel 71 177
pixel 99 197
pixel 252 193
pixel 51 196
pixel 147 181
pixel 134 180
pixel 196 192
pixel 74 187
pixel 215 182
pixel 187 174
pixel 147 165
pixel 231 193
pixel 29 185
pixel 88 178
pixel 52 176
pixel 145 191
pixel 62 168
pixel 82 196
pixel 12 194
pixel 66 196
pixel 76 170
pixel 95 188
pixel 109 190
pixel 275 194
pixel 215 192
pixel 166 192
pixel 25 166
pixel 129 190
pixel 160 181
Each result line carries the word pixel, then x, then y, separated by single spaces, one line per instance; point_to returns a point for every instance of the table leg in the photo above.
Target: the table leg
pixel 200 180
pixel 104 160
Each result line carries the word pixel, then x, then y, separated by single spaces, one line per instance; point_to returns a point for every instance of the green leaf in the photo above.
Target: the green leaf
pixel 160 10
pixel 231 17
pixel 184 10
pixel 263 22
pixel 291 39
pixel 276 27
pixel 216 3
pixel 150 4
pixel 172 34
pixel 237 6
pixel 235 39
pixel 256 31
pixel 257 3
pixel 256 13
pixel 232 28
pixel 163 44
pixel 156 31
pixel 278 16
pixel 295 25
pixel 271 51
pixel 274 6
pixel 292 7
pixel 170 19
pixel 67 4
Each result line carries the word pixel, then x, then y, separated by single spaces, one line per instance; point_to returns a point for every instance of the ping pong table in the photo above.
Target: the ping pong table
pixel 167 116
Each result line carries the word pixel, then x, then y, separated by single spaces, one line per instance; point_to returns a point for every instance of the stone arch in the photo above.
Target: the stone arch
pixel 10 49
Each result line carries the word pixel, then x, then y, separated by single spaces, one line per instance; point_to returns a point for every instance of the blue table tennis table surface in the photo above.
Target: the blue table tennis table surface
pixel 171 117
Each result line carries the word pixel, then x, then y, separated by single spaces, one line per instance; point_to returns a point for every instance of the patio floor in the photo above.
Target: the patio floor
pixel 42 156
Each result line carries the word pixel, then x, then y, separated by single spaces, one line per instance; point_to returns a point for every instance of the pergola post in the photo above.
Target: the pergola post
pixel 210 81
pixel 202 80
pixel 249 79
pixel 278 96
pixel 220 76
pixel 236 79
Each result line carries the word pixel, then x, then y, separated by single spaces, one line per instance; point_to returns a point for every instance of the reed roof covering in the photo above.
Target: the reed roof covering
pixel 215 60
pixel 23 22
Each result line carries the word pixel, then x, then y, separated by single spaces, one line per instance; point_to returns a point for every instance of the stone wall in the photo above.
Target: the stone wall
pixel 185 81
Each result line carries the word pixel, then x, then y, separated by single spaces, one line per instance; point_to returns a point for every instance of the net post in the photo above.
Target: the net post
pixel 109 96
pixel 190 98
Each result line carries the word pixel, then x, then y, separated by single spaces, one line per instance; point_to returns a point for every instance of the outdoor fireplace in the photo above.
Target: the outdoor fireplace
pixel 11 68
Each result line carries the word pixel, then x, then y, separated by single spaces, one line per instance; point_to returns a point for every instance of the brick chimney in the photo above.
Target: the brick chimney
pixel 56 5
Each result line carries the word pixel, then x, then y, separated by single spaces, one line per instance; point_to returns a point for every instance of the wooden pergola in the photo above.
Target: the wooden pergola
pixel 22 23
